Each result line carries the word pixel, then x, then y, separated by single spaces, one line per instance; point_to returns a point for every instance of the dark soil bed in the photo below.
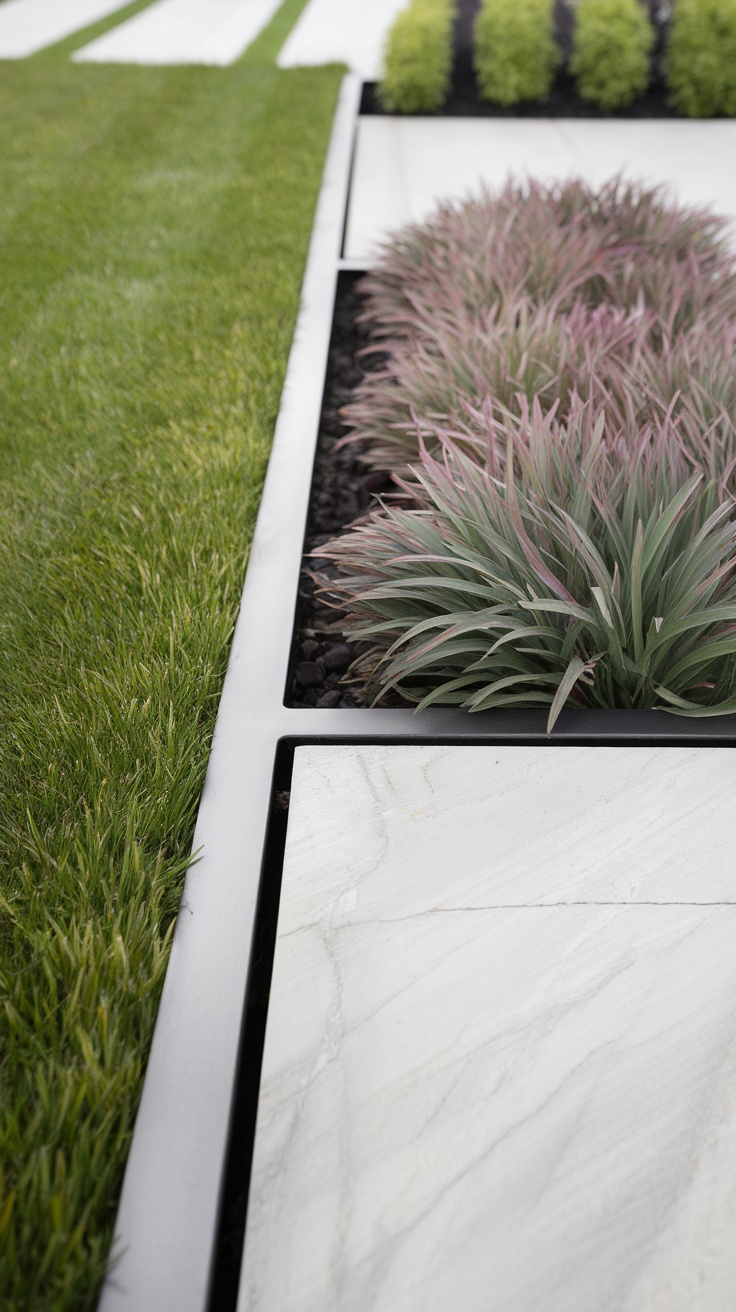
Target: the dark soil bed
pixel 563 101
pixel 342 491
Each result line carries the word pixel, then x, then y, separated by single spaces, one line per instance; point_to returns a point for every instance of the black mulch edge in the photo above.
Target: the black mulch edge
pixel 463 100
pixel 343 490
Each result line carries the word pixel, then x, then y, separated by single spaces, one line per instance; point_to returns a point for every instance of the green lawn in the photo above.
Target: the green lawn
pixel 153 230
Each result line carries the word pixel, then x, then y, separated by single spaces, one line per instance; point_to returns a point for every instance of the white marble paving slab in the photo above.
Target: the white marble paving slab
pixel 476 1094
pixel 351 32
pixel 404 166
pixel 518 825
pixel 183 32
pixel 27 26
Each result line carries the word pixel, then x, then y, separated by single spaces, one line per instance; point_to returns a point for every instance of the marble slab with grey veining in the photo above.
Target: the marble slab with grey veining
pixel 500 1061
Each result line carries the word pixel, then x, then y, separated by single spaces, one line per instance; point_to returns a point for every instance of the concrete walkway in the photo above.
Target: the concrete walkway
pixel 27 26
pixel 404 166
pixel 351 32
pixel 183 32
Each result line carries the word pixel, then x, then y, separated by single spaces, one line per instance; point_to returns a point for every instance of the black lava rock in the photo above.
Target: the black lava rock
pixel 339 496
pixel 337 657
pixel 309 674
pixel 329 700
pixel 343 489
pixel 378 483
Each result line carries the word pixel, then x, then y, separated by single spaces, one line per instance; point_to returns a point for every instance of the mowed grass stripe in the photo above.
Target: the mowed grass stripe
pixel 153 230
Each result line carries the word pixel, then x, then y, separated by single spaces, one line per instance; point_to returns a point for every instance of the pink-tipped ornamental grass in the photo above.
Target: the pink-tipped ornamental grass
pixel 584 574
pixel 546 291
pixel 625 244
pixel 693 376
pixel 633 376
pixel 518 347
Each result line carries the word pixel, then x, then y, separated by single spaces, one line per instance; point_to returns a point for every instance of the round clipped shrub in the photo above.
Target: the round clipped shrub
pixel 418 59
pixel 612 43
pixel 701 57
pixel 515 54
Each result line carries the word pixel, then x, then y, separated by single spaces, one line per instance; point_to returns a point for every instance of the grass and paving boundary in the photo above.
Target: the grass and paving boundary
pixel 154 224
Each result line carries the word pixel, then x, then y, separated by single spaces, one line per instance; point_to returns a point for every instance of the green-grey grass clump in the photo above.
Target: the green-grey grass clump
pixel 418 58
pixel 514 51
pixel 701 57
pixel 612 46
pixel 556 401
pixel 154 225
pixel 577 570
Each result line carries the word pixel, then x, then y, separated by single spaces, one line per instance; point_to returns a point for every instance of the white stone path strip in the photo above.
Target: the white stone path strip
pixel 183 32
pixel 404 166
pixel 351 32
pixel 27 26
pixel 500 1069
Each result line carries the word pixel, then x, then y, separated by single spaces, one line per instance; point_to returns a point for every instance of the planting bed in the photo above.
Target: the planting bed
pixel 415 1097
pixel 632 395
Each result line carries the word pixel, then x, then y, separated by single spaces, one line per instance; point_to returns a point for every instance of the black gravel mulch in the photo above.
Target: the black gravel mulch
pixel 342 491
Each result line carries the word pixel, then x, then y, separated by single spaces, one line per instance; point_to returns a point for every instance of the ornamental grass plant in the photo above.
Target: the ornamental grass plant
pixel 542 290
pixel 626 244
pixel 578 570
pixel 626 361
pixel 560 418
